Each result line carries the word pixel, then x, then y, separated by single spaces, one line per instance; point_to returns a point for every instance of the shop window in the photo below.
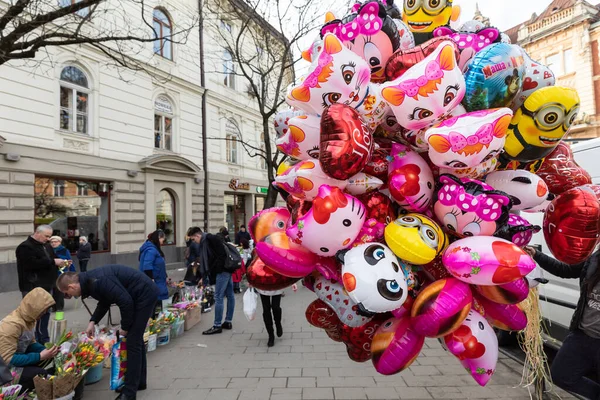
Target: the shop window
pixel 74 101
pixel 259 203
pixel 235 211
pixel 165 215
pixel 74 208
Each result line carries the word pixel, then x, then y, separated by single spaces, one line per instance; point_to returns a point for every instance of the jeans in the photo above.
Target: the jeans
pixel 42 335
pixel 136 374
pixel 224 287
pixel 579 356
pixel 83 265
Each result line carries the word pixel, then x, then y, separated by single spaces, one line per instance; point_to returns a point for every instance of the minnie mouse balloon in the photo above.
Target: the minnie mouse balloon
pixel 475 344
pixel 518 230
pixel 528 190
pixel 468 140
pixel 469 43
pixel 572 225
pixel 561 172
pixel 304 180
pixel 301 140
pixel 346 143
pixel 410 179
pixel 395 346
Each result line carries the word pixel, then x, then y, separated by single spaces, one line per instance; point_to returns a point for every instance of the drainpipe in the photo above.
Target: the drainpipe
pixel 204 133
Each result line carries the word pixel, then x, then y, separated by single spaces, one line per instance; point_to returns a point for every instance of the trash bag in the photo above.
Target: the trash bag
pixel 250 304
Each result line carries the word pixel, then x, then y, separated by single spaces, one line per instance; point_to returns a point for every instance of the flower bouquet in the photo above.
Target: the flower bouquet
pixel 13 392
pixel 67 376
pixel 87 356
pixel 65 337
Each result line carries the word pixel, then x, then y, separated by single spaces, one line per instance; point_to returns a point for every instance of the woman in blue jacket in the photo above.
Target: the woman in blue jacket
pixel 152 262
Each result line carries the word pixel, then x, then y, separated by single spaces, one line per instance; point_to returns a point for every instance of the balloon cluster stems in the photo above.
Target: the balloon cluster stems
pixel 536 369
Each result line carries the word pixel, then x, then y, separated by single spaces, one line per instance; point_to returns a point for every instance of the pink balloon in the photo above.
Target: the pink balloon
pixel 475 344
pixel 410 179
pixel 395 346
pixel 508 317
pixel 304 179
pixel 509 293
pixel 285 257
pixel 301 139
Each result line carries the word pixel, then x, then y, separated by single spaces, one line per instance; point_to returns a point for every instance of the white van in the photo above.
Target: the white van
pixel 559 296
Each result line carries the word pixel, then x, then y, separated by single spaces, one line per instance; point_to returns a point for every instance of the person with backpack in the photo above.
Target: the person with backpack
pixel 222 259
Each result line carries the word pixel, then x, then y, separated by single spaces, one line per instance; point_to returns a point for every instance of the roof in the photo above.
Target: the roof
pixel 513 33
pixel 555 6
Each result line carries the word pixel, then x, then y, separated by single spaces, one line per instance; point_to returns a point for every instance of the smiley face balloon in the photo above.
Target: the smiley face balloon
pixel 423 16
pixel 416 239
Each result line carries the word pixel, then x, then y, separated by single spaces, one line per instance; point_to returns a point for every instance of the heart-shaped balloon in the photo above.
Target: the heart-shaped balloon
pixel 358 340
pixel 572 225
pixel 302 138
pixel 379 207
pixel 561 172
pixel 346 142
pixel 262 277
pixel 320 315
pixel 378 164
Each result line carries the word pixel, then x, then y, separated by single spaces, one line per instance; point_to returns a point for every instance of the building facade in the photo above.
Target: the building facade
pixel 113 154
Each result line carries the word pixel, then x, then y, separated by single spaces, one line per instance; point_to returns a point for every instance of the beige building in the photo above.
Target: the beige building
pixel 565 37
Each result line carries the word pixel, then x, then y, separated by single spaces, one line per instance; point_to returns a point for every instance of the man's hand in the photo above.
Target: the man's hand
pixel 91 329
pixel 122 333
pixel 530 250
pixel 49 353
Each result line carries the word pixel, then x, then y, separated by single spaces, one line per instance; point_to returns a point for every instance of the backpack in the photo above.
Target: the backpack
pixel 233 259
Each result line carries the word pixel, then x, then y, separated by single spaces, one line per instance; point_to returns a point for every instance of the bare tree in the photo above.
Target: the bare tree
pixel 265 40
pixel 118 28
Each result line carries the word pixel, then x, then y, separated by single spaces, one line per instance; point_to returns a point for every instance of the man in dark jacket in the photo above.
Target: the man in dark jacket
pixel 135 294
pixel 579 355
pixel 84 253
pixel 37 266
pixel 242 235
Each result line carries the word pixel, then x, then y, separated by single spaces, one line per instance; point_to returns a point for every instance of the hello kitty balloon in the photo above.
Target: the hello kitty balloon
pixel 410 179
pixel 332 224
pixel 428 91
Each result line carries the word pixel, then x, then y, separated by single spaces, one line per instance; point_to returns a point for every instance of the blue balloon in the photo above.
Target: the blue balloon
pixel 494 77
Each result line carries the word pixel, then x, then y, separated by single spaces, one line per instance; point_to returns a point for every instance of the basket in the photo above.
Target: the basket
pixel 94 374
pixel 152 340
pixel 164 338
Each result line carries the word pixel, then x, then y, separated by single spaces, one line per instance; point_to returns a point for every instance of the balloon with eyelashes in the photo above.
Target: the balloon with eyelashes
pixel 477 172
pixel 304 179
pixel 301 140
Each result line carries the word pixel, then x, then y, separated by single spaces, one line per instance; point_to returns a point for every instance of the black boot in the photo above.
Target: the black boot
pixel 269 326
pixel 277 317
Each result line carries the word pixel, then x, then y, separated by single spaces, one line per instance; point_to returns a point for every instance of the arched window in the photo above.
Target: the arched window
pixel 165 215
pixel 74 100
pixel 163 123
pixel 163 29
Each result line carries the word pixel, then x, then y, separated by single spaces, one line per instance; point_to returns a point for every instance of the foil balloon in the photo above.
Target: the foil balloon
pixel 377 166
pixel 320 315
pixel 428 91
pixel 262 277
pixel 477 172
pixel 468 140
pixel 541 123
pixel 379 207
pixel 301 141
pixel 415 239
pixel 407 39
pixel 304 180
pixel 537 76
pixel 297 208
pixel 541 208
pixel 374 278
pixel 395 346
pixel 485 260
pixel 313 51
pixel 370 33
pixel 333 294
pixel 346 143
pixel 572 225
pixel 469 43
pixel 441 308
pixel 285 257
pixel 518 230
pixel 267 222
pixel 362 183
pixel 508 317
pixel 281 120
pixel 494 77
pixel 509 293
pixel 527 190
pixel 423 17
pixel 471 26
pixel 410 179
pixel 405 59
pixel 468 207
pixel 358 340
pixel 475 345
pixel 561 172
pixel 436 270
pixel 332 212
pixel 372 231
pixel 536 277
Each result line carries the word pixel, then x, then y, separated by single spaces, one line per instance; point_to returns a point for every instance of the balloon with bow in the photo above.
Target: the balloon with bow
pixel 468 140
pixel 561 172
pixel 477 172
pixel 518 230
pixel 395 346
pixel 526 189
pixel 469 43
pixel 304 180
pixel 572 225
pixel 410 179
pixel 301 140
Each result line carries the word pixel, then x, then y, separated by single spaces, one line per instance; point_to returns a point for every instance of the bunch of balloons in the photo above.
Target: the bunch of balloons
pixel 413 144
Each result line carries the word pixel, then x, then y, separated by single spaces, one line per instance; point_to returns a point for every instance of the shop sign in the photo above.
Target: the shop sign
pixel 235 184
pixel 163 105
pixel 262 190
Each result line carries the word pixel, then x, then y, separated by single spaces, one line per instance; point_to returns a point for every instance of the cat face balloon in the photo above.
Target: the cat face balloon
pixel 427 92
pixel 300 137
pixel 333 223
pixel 337 76
pixel 469 43
pixel 304 179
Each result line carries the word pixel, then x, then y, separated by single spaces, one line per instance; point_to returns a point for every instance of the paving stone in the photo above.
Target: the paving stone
pixel 272 383
pixel 255 394
pixel 261 372
pixel 382 393
pixel 286 394
pixel 426 370
pixel 315 372
pixel 243 383
pixel 349 393
pixel 288 372
pixel 213 383
pixel 223 394
pixel 185 383
pixel 317 394
pixel 413 393
pixel 305 382
pixel 185 394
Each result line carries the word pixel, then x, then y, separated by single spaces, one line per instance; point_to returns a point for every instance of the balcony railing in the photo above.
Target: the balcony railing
pixel 551 20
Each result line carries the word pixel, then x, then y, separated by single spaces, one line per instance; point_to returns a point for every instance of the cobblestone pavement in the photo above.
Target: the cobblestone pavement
pixel 304 364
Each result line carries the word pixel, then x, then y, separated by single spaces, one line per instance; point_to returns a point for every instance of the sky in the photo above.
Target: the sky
pixel 503 14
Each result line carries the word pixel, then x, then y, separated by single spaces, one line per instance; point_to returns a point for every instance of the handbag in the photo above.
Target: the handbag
pixel 250 304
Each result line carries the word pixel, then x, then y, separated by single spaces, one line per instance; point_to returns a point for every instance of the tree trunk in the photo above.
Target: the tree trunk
pixel 271 193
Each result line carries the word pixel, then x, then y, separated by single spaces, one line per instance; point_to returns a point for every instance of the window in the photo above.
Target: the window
pixel 165 215
pixel 232 148
pixel 74 208
pixel 163 31
pixel 226 26
pixel 553 62
pixel 59 188
pixel 569 62
pixel 84 12
pixel 235 211
pixel 163 124
pixel 228 70
pixel 74 100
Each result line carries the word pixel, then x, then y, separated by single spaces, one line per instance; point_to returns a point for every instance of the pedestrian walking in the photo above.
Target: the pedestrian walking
pixel 242 234
pixel 152 262
pixel 224 234
pixel 84 253
pixel 37 266
pixel 63 253
pixel 271 304
pixel 135 294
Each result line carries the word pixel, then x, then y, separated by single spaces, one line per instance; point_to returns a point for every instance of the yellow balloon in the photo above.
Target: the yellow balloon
pixel 415 239
pixel 423 17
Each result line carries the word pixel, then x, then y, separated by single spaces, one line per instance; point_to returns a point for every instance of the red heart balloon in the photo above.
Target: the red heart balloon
pixel 358 340
pixel 264 278
pixel 378 164
pixel 436 269
pixel 561 172
pixel 379 207
pixel 402 60
pixel 572 225
pixel 297 207
pixel 346 142
pixel 320 315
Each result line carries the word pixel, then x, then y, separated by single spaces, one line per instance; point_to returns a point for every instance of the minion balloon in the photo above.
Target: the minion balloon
pixel 424 16
pixel 540 123
pixel 416 239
